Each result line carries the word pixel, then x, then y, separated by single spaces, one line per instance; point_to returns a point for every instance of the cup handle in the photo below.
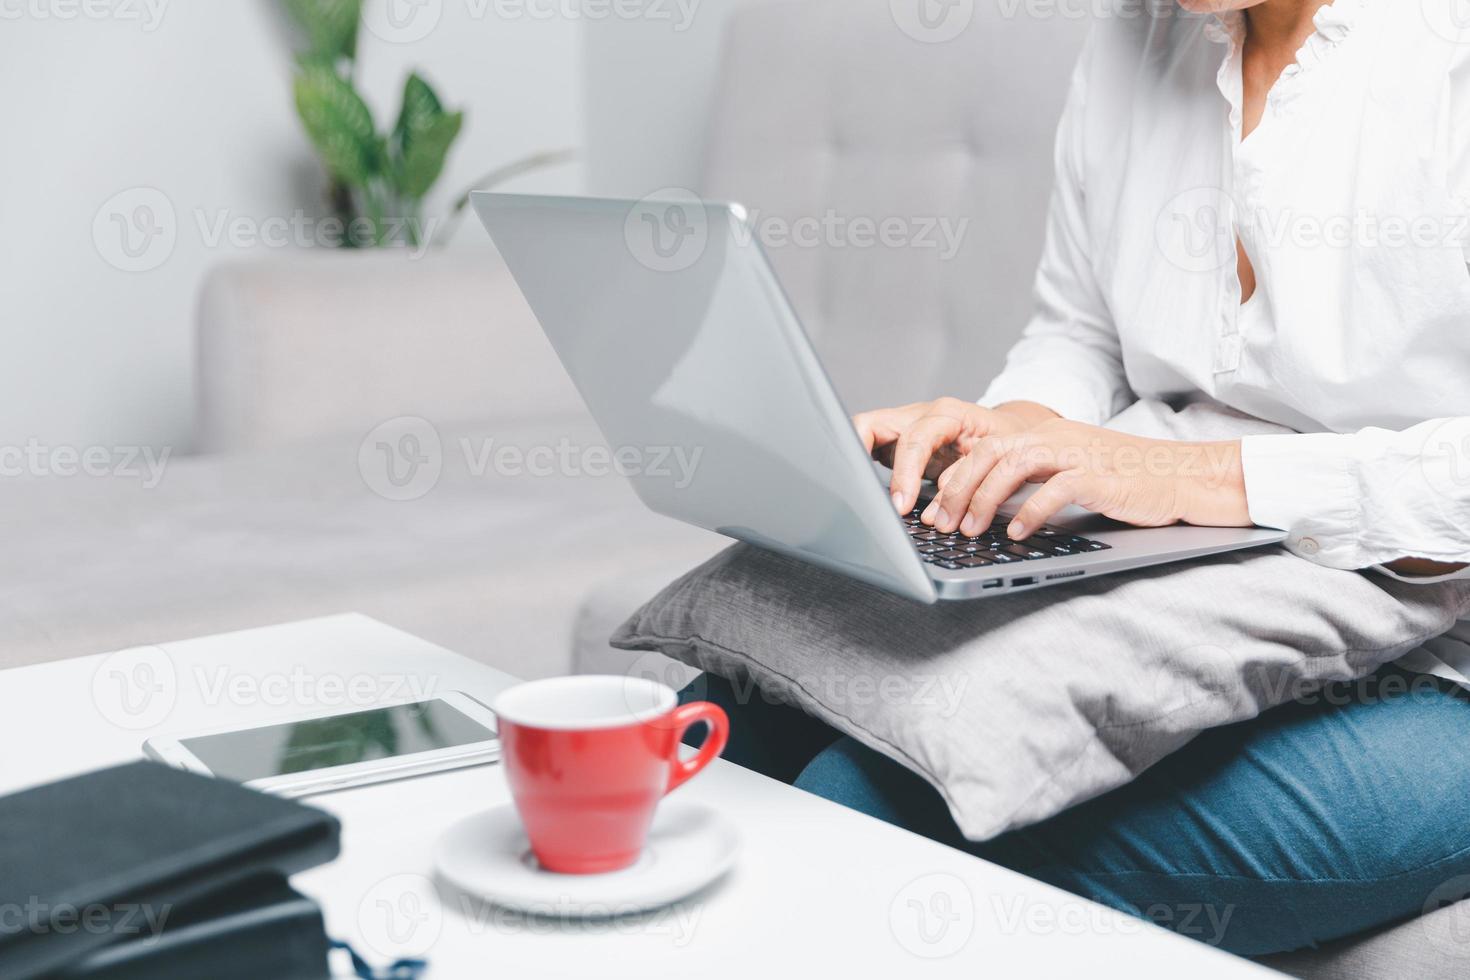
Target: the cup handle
pixel 686 717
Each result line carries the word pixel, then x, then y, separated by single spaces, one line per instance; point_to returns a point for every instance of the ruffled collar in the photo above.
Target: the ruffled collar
pixel 1332 24
pixel 1226 28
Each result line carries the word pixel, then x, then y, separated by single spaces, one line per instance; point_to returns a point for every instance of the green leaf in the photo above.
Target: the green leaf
pixel 339 124
pixel 308 60
pixel 423 159
pixel 420 108
pixel 330 25
pixel 421 138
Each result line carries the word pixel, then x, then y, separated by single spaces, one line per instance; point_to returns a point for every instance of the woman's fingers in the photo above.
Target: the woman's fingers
pixel 1090 467
pixel 911 455
pixel 949 473
pixel 952 481
pixel 961 481
pixel 865 426
pixel 1020 464
pixel 1060 491
pixel 883 426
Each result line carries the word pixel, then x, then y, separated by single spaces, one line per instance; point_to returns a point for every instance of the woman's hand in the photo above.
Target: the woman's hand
pixel 1145 482
pixel 926 438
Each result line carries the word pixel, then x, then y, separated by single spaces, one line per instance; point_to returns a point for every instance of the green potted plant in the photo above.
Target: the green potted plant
pixel 378 181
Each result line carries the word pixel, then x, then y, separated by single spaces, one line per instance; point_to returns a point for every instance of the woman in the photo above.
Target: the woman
pixel 1261 205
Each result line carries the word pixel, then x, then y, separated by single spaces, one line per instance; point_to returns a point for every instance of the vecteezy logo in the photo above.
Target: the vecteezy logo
pixel 402 21
pixel 402 459
pixel 136 689
pixel 1195 231
pixel 659 669
pixel 400 916
pixel 1445 458
pixel 1450 19
pixel 932 21
pixel 668 231
pixel 933 916
pixel 1449 934
pixel 1200 675
pixel 136 230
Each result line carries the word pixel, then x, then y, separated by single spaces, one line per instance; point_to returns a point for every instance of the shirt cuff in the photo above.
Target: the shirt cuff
pixel 1080 401
pixel 1307 486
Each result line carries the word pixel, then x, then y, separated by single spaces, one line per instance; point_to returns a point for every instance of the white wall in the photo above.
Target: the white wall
pixel 649 84
pixel 188 110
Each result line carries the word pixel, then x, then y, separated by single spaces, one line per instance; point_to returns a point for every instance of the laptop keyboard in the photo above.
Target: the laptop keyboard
pixel 992 547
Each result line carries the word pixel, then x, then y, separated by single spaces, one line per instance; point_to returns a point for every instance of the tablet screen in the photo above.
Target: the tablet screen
pixel 339 740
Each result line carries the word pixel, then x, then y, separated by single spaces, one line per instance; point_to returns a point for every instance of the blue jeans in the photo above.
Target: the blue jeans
pixel 1319 819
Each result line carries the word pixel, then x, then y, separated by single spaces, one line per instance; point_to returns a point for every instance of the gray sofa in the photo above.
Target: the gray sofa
pixel 348 402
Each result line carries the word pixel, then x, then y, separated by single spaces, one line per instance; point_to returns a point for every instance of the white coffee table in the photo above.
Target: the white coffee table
pixel 819 891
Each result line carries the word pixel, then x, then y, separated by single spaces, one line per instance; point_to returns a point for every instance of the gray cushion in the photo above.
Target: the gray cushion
pixel 1017 707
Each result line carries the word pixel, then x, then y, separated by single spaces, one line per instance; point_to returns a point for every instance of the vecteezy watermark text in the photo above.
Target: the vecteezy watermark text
pixel 1196 229
pixel 313 689
pixel 404 915
pixel 669 231
pixel 146 13
pixel 1203 921
pixel 138 688
pixel 403 459
pixel 678 14
pixel 943 693
pixel 138 229
pixel 223 227
pixel 143 463
pixel 566 458
pixel 833 230
pixel 409 21
pixel 119 919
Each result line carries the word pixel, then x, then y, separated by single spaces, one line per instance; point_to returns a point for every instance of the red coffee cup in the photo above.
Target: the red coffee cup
pixel 588 760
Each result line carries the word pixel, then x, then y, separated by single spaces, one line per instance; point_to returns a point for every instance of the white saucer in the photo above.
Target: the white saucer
pixel 487 855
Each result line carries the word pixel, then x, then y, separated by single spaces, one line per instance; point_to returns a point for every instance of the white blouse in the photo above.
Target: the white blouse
pixel 1352 200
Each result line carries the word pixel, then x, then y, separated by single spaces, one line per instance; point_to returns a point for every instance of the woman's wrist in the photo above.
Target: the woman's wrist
pixel 1213 478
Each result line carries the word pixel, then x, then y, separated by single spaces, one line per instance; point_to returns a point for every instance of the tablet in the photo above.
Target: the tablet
pixel 338 751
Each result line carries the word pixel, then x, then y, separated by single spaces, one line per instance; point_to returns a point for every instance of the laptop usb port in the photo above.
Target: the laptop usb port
pixel 1027 580
pixel 994 583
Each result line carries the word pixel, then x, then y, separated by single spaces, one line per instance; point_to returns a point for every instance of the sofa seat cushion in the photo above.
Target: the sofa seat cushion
pixel 491 565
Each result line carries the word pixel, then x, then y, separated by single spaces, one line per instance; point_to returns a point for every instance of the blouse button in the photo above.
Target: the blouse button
pixel 1308 546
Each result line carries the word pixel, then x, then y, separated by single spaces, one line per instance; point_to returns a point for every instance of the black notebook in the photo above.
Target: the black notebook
pixel 261 929
pixel 87 859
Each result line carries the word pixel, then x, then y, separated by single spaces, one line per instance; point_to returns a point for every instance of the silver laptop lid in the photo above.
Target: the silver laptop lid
pixel 674 329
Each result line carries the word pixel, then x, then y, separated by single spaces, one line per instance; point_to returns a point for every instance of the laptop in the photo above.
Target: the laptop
pixel 674 328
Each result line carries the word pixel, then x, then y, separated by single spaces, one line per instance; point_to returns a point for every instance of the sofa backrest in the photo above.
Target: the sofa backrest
pixel 880 151
pixel 835 117
pixel 322 342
